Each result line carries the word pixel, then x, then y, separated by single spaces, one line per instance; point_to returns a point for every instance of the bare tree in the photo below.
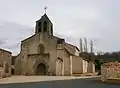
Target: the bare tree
pixel 86 45
pixel 81 45
pixel 91 46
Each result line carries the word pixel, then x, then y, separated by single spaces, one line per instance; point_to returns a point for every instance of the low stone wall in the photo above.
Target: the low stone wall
pixel 110 71
pixel 1 72
pixel 77 65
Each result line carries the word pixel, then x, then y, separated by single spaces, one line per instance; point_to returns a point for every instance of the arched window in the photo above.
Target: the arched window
pixel 41 49
pixel 39 24
pixel 51 29
pixel 39 27
pixel 59 59
pixel 45 26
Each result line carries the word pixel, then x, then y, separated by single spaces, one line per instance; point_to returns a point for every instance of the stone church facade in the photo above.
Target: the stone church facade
pixel 45 54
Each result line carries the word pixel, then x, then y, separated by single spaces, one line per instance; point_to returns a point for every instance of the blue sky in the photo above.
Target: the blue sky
pixel 72 19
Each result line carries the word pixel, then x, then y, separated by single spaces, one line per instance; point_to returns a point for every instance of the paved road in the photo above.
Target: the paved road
pixel 74 83
pixel 23 79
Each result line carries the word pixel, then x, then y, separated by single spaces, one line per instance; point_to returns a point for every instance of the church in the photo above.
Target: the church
pixel 46 54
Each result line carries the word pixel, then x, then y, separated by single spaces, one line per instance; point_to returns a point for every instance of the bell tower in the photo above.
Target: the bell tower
pixel 44 25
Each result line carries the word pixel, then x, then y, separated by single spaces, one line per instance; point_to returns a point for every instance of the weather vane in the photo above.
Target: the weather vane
pixel 45 8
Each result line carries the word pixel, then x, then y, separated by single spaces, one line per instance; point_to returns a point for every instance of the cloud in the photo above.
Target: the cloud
pixel 2 41
pixel 11 35
pixel 95 19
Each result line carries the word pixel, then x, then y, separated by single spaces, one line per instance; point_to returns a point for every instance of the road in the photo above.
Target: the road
pixel 73 83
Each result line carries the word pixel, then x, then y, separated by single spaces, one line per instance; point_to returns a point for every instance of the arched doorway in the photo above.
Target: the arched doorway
pixel 59 67
pixel 41 69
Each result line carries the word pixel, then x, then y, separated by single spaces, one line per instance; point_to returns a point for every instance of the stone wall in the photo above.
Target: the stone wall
pixel 110 71
pixel 31 46
pixel 85 66
pixel 1 72
pixel 18 65
pixel 91 67
pixel 59 67
pixel 5 62
pixel 77 65
pixel 61 53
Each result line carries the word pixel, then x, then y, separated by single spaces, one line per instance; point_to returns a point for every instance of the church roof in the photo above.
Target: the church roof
pixel 72 46
pixel 71 49
pixel 73 53
pixel 44 17
pixel 57 37
pixel 28 38
pixel 5 51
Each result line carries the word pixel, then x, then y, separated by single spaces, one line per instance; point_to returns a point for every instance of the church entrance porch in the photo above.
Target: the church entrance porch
pixel 40 64
pixel 41 69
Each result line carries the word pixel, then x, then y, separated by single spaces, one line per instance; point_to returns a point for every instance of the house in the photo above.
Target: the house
pixel 5 63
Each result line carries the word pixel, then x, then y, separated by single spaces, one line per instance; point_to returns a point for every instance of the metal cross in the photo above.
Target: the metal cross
pixel 45 8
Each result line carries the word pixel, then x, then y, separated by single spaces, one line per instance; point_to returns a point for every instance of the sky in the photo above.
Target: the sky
pixel 97 20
